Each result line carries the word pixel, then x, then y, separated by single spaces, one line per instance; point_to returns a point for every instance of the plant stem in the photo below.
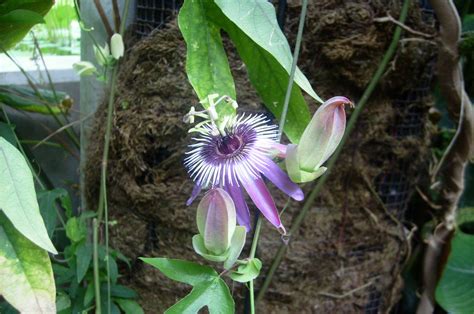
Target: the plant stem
pixel 252 300
pixel 102 206
pixel 95 239
pixel 256 235
pixel 284 113
pixel 296 54
pixel 350 126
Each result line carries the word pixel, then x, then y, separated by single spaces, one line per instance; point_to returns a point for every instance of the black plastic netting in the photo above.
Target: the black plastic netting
pixel 153 14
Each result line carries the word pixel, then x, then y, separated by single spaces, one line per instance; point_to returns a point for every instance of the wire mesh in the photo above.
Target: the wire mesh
pixel 153 14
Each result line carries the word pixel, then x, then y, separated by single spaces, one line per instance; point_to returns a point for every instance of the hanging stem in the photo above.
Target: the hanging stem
pixel 102 206
pixel 350 126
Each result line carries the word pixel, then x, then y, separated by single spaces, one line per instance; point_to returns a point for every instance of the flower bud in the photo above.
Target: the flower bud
pixel 216 220
pixel 318 142
pixel 116 46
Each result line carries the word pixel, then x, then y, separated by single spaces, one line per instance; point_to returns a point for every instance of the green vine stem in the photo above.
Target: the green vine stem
pixel 102 210
pixel 350 126
pixel 284 113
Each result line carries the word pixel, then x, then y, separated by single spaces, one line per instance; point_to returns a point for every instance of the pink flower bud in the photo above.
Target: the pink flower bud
pixel 216 220
pixel 319 140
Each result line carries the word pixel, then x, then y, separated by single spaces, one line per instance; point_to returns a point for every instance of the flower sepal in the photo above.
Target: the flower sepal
pixel 247 271
pixel 230 256
pixel 200 248
pixel 297 174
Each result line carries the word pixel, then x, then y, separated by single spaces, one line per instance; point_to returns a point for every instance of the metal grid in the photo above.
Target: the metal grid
pixel 153 14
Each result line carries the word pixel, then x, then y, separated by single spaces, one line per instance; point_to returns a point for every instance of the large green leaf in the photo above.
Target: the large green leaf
pixel 214 294
pixel 208 288
pixel 26 276
pixel 206 61
pixel 455 290
pixel 182 271
pixel 18 16
pixel 18 197
pixel 257 19
pixel 271 80
pixel 267 74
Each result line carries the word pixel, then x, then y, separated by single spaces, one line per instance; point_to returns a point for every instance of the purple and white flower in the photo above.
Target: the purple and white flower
pixel 237 159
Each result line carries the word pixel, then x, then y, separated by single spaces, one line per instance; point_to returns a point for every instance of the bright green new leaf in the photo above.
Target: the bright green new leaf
pixel 208 288
pixel 206 61
pixel 18 197
pixel 257 19
pixel 26 276
pixel 248 271
pixel 455 290
pixel 76 229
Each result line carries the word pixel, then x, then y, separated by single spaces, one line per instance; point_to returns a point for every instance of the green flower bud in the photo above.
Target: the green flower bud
pixel 318 142
pixel 216 220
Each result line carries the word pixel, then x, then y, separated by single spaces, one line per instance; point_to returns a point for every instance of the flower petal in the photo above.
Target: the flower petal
pixel 196 190
pixel 243 214
pixel 278 177
pixel 263 200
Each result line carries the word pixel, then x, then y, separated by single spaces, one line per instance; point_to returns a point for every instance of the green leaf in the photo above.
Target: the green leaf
pixel 47 205
pixel 18 197
pixel 119 291
pixel 76 229
pixel 26 99
pixel 89 295
pixel 83 259
pixel 129 306
pixel 182 271
pixel 17 17
pixel 209 289
pixel 207 66
pixel 267 75
pixel 26 276
pixel 63 302
pixel 15 24
pixel 213 293
pixel 455 290
pixel 7 131
pixel 248 271
pixel 257 20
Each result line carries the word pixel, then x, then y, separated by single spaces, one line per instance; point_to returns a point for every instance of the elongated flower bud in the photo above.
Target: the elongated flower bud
pixel 319 141
pixel 216 220
pixel 116 46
